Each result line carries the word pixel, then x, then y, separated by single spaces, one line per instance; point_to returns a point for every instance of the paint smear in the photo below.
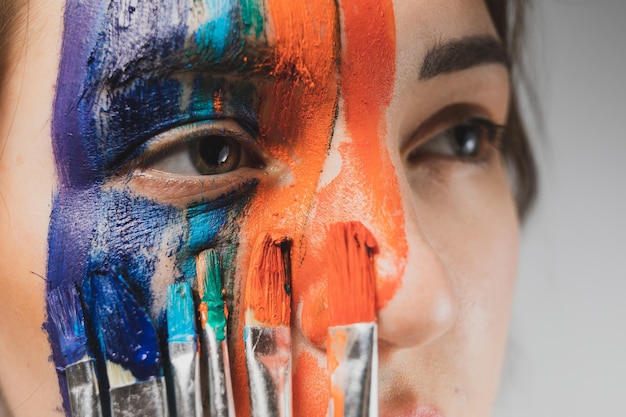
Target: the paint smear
pixel 268 285
pixel 351 274
pixel 296 122
pixel 366 188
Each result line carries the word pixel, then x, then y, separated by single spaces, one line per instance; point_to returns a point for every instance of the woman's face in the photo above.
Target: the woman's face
pixel 179 126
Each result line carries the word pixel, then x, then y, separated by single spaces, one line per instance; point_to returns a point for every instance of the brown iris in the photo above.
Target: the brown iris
pixel 215 154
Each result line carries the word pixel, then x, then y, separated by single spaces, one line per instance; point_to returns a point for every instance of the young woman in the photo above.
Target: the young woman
pixel 137 134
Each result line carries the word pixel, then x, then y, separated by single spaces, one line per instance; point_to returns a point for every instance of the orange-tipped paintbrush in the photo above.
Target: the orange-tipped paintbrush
pixel 352 351
pixel 267 335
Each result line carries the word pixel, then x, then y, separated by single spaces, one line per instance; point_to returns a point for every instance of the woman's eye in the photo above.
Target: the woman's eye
pixel 470 140
pixel 202 149
pixel 215 155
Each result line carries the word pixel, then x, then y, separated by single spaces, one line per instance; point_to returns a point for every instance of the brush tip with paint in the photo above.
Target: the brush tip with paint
pixel 66 314
pixel 129 343
pixel 268 284
pixel 181 325
pixel 352 352
pixel 217 392
pixel 352 279
pixel 183 350
pixel 212 312
pixel 267 335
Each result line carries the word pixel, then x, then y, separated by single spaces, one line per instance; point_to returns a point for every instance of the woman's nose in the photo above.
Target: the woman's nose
pixel 424 305
pixel 415 299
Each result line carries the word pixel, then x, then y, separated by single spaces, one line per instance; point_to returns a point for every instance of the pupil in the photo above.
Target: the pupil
pixel 214 151
pixel 466 140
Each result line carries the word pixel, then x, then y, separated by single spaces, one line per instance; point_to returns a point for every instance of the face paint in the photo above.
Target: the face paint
pixel 129 73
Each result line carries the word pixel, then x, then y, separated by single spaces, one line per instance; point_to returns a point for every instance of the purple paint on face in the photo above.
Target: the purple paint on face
pixel 129 74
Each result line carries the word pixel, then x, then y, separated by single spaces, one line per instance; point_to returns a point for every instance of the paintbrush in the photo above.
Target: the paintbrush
pixel 352 352
pixel 217 396
pixel 66 315
pixel 129 344
pixel 267 335
pixel 183 350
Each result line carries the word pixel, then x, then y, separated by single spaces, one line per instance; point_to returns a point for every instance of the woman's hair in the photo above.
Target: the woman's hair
pixel 508 18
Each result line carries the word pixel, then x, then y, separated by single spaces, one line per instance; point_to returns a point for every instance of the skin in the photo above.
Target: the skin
pixel 446 227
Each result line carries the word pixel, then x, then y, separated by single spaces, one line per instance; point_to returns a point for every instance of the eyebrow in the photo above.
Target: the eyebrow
pixel 464 53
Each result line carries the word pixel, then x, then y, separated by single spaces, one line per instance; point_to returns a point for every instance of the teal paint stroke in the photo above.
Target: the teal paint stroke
pixel 216 318
pixel 219 31
pixel 181 326
pixel 252 17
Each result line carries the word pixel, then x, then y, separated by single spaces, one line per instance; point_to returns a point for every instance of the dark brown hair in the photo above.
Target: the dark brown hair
pixel 509 20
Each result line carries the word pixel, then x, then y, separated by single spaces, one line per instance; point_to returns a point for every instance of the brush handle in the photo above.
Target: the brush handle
pixel 141 399
pixel 186 378
pixel 218 394
pixel 268 358
pixel 353 363
pixel 83 389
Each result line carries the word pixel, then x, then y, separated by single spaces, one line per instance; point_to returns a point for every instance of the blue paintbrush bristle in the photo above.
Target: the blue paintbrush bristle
pixel 126 333
pixel 66 314
pixel 181 326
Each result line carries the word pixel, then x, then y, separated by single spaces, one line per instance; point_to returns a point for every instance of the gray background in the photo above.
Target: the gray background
pixel 567 353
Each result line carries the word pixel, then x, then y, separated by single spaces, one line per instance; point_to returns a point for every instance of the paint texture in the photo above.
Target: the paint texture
pixel 276 69
pixel 181 323
pixel 351 277
pixel 268 285
pixel 125 331
pixel 126 75
pixel 66 315
pixel 212 309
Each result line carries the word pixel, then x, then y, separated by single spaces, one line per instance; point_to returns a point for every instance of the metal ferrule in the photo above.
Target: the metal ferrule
pixel 83 389
pixel 268 358
pixel 141 399
pixel 217 397
pixel 354 381
pixel 186 378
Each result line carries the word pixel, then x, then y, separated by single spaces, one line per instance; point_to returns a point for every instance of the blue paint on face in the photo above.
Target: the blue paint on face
pixel 127 74
pixel 123 327
pixel 213 35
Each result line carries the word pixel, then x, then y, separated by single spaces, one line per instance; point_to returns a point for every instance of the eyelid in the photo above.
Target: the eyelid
pixel 444 119
pixel 169 140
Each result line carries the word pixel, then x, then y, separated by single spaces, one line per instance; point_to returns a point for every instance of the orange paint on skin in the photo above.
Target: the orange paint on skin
pixel 296 120
pixel 310 399
pixel 366 188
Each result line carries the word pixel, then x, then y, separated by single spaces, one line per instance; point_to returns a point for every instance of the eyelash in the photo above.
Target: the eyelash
pixel 170 151
pixel 487 137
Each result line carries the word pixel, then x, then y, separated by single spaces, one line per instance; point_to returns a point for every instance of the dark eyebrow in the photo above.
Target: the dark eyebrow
pixel 459 54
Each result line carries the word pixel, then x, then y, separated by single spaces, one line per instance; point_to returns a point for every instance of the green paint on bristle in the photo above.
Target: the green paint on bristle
pixel 251 17
pixel 181 325
pixel 212 296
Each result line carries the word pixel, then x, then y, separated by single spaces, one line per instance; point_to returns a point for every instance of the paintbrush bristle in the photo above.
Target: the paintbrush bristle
pixel 66 314
pixel 181 325
pixel 351 274
pixel 126 333
pixel 268 284
pixel 211 306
